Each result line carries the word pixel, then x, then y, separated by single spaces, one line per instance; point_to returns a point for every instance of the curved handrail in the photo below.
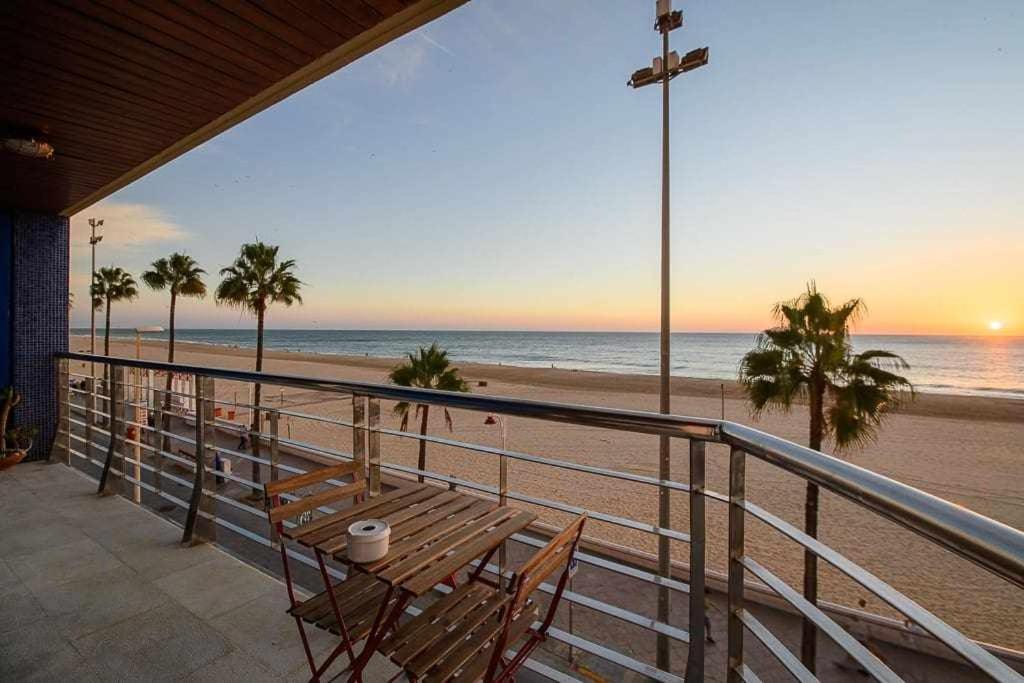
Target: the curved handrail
pixel 991 544
pixel 995 546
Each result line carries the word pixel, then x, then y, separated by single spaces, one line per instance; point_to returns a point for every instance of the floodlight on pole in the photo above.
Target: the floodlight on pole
pixel 662 70
pixel 94 239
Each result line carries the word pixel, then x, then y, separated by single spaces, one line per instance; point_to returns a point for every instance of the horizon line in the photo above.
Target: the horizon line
pixel 99 331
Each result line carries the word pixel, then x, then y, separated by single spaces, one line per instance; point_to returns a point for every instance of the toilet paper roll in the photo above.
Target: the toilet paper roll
pixel 368 528
pixel 368 540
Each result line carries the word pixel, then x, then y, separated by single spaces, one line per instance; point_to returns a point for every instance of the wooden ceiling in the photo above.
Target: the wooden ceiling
pixel 121 87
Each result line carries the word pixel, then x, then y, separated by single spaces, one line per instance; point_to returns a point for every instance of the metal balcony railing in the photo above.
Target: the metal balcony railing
pixel 99 419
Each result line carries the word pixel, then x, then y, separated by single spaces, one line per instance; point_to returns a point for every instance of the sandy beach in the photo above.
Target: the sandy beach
pixel 965 449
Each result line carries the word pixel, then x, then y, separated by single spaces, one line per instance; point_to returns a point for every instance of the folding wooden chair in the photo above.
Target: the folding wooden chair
pixel 359 596
pixel 464 636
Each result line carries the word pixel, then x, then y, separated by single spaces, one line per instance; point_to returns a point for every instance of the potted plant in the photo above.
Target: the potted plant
pixel 15 443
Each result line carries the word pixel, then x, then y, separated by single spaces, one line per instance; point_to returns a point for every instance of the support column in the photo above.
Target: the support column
pixel 34 262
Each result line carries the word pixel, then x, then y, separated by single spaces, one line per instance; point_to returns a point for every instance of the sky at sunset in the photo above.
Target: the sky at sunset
pixel 493 171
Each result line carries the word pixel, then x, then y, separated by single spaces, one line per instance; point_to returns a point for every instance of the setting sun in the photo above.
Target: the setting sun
pixel 995 325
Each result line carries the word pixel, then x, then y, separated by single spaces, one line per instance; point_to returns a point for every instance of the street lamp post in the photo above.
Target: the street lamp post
pixel 94 239
pixel 663 70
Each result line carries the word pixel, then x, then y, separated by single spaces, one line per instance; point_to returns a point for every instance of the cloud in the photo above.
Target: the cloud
pixel 402 60
pixel 125 226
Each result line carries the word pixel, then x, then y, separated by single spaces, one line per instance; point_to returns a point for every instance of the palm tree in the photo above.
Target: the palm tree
pixel 254 281
pixel 426 369
pixel 182 276
pixel 809 356
pixel 110 285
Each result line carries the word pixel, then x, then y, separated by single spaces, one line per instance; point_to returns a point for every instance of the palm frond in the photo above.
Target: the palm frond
pixel 427 368
pixel 114 284
pixel 812 340
pixel 256 279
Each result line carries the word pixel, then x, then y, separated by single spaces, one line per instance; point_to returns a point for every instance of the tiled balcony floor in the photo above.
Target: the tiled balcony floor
pixel 97 589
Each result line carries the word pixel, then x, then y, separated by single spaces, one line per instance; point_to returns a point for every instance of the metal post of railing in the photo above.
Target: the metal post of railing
pixel 115 385
pixel 737 495
pixel 130 415
pixel 90 415
pixel 275 459
pixel 133 393
pixel 373 443
pixel 502 500
pixel 62 442
pixel 199 524
pixel 275 442
pixel 359 431
pixel 698 607
pixel 157 440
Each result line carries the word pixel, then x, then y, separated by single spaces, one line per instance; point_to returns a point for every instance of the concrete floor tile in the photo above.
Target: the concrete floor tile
pixel 7 577
pixel 235 666
pixel 217 586
pixel 64 562
pixel 40 653
pixel 165 643
pixel 263 629
pixel 28 534
pixel 77 608
pixel 18 608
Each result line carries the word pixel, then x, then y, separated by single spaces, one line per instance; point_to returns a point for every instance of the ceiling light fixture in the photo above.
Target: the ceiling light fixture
pixel 29 147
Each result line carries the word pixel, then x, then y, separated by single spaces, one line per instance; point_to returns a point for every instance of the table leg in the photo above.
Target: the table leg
pixel 381 626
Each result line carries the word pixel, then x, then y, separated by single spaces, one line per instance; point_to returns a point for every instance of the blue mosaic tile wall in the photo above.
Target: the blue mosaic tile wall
pixel 39 319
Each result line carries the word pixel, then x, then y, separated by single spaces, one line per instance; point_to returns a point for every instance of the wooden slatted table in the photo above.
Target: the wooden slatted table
pixel 434 533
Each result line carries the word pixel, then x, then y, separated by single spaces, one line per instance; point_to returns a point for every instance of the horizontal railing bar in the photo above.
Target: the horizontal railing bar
pixel 85 457
pixel 308 416
pixel 601 516
pixel 593 416
pixel 239 454
pixel 995 546
pixel 844 640
pixel 612 566
pixel 604 607
pixel 747 674
pixel 625 661
pixel 311 447
pixel 947 635
pixel 464 483
pixel 777 648
pixel 552 462
pixel 239 505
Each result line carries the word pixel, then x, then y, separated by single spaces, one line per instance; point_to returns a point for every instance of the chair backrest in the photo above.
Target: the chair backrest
pixel 557 553
pixel 278 512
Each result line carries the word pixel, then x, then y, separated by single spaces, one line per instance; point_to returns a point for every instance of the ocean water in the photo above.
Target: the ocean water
pixel 984 366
